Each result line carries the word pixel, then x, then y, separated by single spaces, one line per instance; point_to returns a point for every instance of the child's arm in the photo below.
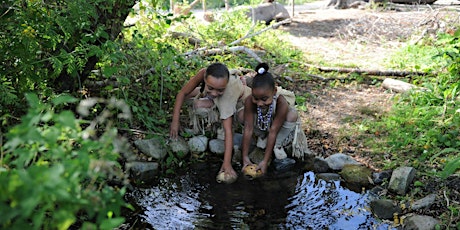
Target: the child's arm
pixel 248 130
pixel 180 97
pixel 227 164
pixel 282 108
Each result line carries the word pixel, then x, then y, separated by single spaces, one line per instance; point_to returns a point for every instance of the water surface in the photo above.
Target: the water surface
pixel 289 200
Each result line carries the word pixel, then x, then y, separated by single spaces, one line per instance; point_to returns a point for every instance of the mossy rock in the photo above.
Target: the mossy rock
pixel 356 174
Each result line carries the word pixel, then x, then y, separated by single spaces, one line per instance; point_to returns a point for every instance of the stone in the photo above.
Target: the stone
pixel 217 146
pixel 380 177
pixel 425 202
pixel 328 176
pixel 144 171
pixel 420 222
pixel 358 175
pixel 282 165
pixel 268 12
pixel 237 155
pixel 384 208
pixel 152 147
pixel 198 144
pixel 179 147
pixel 401 179
pixel 320 165
pixel 257 155
pixel 338 160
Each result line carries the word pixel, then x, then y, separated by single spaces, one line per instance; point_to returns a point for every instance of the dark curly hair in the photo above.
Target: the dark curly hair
pixel 263 78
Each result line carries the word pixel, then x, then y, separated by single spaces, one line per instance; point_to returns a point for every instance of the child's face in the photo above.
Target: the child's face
pixel 215 87
pixel 263 97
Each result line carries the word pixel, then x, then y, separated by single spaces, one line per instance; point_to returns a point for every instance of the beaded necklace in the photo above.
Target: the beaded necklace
pixel 264 121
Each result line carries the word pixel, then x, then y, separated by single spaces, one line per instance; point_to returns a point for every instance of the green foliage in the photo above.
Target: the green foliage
pixel 231 26
pixel 53 46
pixel 151 71
pixel 425 124
pixel 54 173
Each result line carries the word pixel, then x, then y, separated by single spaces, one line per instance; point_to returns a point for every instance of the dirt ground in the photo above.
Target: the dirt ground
pixel 356 38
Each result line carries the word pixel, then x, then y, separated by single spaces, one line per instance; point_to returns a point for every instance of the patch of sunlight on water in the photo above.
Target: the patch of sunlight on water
pixel 293 200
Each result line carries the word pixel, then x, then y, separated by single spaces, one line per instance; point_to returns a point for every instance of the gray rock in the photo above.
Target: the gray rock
pixel 144 171
pixel 217 146
pixel 376 192
pixel 257 155
pixel 420 222
pixel 198 144
pixel 338 160
pixel 152 147
pixel 425 202
pixel 268 12
pixel 328 176
pixel 179 147
pixel 384 208
pixel 320 165
pixel 238 140
pixel 237 155
pixel 401 179
pixel 380 177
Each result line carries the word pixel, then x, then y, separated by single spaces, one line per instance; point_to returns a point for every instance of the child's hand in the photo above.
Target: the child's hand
pixel 263 166
pixel 246 162
pixel 228 169
pixel 174 130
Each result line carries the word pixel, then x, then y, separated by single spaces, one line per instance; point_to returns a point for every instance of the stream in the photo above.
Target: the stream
pixel 281 200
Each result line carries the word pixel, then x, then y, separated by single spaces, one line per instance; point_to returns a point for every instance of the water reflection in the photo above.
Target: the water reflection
pixel 328 205
pixel 292 200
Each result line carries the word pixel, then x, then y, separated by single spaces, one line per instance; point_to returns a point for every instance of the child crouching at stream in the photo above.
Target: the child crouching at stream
pixel 270 116
pixel 216 94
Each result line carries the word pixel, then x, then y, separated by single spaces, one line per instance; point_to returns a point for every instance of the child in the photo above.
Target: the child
pixel 270 111
pixel 218 89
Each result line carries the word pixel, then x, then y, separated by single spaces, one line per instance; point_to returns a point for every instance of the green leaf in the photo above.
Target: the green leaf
pixel 109 71
pixel 67 118
pixel 450 168
pixel 32 99
pixel 112 223
pixel 64 99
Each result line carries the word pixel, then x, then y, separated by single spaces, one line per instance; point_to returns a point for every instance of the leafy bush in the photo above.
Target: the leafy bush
pixel 54 173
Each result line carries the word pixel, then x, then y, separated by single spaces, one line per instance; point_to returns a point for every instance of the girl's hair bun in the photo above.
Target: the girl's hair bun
pixel 262 68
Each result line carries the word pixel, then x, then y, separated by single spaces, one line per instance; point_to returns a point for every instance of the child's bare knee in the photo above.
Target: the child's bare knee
pixel 240 116
pixel 203 103
pixel 292 115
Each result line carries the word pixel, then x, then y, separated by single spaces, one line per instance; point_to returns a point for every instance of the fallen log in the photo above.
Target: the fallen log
pixel 394 73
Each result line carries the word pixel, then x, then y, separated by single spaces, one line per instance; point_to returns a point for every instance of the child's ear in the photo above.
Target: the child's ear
pixel 276 89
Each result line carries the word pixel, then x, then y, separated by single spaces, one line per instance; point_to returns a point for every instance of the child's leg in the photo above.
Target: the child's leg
pixel 203 103
pixel 284 138
pixel 203 114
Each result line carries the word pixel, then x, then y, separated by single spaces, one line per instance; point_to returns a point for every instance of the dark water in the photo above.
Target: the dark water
pixel 289 200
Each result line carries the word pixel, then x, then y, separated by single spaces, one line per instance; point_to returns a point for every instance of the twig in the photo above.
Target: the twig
pixel 447 198
pixel 141 131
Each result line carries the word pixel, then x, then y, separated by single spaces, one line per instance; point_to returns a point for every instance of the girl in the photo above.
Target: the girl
pixel 218 89
pixel 269 114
